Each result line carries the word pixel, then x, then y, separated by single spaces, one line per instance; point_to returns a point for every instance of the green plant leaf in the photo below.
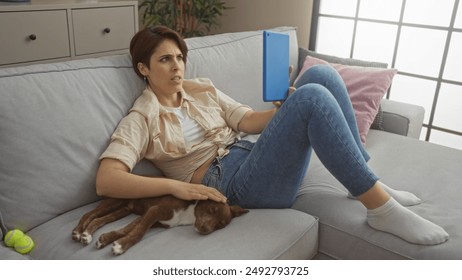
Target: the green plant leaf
pixel 190 18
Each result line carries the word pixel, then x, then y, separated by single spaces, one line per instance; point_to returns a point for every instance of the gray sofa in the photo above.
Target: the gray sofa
pixel 56 119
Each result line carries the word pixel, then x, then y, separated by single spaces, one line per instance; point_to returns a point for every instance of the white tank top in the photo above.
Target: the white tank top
pixel 193 133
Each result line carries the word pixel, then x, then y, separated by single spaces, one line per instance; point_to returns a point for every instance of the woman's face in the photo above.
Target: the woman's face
pixel 166 72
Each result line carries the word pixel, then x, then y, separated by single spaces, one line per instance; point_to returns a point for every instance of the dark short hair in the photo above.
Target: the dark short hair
pixel 145 42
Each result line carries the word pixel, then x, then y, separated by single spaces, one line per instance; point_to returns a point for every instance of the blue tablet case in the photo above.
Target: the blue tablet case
pixel 275 66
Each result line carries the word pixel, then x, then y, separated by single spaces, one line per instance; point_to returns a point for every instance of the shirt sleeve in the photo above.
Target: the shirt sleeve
pixel 234 111
pixel 129 141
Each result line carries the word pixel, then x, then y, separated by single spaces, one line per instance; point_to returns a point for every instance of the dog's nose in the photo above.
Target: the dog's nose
pixel 204 229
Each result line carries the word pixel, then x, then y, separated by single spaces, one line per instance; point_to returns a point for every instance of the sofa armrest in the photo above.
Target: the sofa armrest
pixel 402 118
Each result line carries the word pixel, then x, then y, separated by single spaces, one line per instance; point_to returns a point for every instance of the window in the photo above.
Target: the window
pixel 420 38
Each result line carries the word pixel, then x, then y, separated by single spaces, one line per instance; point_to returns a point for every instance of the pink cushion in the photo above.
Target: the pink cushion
pixel 366 87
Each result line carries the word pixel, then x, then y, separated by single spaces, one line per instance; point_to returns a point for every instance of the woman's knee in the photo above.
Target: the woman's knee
pixel 319 73
pixel 312 95
pixel 322 69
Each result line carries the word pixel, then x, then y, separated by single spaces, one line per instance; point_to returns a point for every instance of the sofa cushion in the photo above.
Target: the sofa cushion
pixel 10 254
pixel 55 121
pixel 230 61
pixel 430 171
pixel 3 229
pixel 259 234
pixel 378 121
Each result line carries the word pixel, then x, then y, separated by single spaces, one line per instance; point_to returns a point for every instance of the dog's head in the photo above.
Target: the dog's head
pixel 212 215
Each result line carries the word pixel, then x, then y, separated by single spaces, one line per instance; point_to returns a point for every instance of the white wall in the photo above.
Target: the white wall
pixel 262 14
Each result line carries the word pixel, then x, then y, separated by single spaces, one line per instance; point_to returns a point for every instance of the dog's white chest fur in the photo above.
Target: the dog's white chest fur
pixel 182 217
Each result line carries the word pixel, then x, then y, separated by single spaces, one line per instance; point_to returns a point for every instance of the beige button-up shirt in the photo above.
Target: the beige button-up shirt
pixel 150 131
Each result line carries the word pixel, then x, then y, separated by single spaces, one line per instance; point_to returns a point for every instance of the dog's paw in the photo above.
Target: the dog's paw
pixel 86 238
pixel 99 245
pixel 117 249
pixel 76 236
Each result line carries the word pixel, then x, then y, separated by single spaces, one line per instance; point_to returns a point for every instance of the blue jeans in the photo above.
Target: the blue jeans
pixel 317 116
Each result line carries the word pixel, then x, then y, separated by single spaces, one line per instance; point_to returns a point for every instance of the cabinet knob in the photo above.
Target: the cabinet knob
pixel 107 30
pixel 32 37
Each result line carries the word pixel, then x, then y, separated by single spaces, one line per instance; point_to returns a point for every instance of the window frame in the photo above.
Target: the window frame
pixel 451 29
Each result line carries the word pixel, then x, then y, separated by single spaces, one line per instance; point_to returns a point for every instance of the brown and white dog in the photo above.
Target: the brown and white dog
pixel 165 211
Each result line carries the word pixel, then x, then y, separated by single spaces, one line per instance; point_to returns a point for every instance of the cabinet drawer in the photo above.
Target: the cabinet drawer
pixel 36 36
pixel 103 29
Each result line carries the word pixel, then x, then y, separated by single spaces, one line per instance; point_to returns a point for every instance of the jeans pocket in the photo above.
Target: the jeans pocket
pixel 213 176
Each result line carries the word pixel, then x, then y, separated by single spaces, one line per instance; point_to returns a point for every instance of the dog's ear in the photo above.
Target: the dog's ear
pixel 237 211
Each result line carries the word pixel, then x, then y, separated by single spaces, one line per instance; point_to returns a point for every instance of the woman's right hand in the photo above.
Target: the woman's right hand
pixel 189 191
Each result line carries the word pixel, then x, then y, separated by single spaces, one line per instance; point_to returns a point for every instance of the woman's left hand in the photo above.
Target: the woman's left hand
pixel 278 104
pixel 291 90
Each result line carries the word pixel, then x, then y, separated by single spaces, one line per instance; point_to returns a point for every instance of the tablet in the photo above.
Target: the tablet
pixel 275 66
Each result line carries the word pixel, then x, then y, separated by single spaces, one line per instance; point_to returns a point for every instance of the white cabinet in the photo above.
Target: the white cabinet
pixel 53 30
pixel 32 36
pixel 103 29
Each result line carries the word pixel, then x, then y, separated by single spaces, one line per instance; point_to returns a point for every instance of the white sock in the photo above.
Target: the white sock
pixel 402 197
pixel 398 220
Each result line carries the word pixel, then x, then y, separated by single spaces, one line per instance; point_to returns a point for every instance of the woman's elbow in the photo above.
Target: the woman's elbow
pixel 246 124
pixel 101 184
pixel 106 176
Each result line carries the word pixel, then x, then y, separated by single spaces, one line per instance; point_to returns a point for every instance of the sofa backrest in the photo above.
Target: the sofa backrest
pixel 56 120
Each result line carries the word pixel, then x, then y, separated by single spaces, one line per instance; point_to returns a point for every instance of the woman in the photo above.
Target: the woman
pixel 188 129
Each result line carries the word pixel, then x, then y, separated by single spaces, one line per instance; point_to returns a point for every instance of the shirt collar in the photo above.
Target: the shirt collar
pixel 186 96
pixel 162 109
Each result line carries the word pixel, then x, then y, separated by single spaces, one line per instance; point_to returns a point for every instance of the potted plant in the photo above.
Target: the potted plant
pixel 190 18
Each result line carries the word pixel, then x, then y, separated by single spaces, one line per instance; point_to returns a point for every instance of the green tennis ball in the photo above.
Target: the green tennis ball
pixel 24 245
pixel 12 236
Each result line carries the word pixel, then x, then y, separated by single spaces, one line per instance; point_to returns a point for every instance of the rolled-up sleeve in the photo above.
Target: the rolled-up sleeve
pixel 234 111
pixel 129 141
